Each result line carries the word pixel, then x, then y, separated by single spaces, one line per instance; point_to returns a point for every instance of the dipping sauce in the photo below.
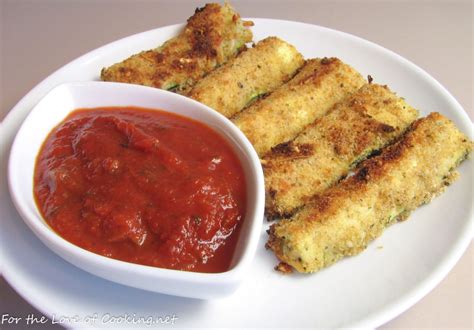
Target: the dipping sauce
pixel 143 186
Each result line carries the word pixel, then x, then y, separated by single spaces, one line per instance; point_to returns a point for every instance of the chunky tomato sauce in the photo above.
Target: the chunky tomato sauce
pixel 143 186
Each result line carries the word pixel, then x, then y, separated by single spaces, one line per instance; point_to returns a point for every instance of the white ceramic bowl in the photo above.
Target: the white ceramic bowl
pixel 54 107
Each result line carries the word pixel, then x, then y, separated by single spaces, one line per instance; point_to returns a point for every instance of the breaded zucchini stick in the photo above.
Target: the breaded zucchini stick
pixel 344 219
pixel 254 72
pixel 212 36
pixel 310 94
pixel 326 150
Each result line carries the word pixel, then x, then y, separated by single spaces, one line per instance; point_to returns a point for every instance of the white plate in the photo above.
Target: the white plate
pixel 366 290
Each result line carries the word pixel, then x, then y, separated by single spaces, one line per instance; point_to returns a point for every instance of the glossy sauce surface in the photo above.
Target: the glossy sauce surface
pixel 143 186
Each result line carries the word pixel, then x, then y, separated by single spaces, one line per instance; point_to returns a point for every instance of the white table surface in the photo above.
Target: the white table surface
pixel 37 37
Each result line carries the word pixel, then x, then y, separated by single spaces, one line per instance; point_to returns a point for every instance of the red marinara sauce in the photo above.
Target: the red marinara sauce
pixel 143 186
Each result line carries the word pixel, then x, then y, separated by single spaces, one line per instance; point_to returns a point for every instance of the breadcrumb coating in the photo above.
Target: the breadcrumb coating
pixel 212 36
pixel 325 151
pixel 278 118
pixel 384 189
pixel 255 72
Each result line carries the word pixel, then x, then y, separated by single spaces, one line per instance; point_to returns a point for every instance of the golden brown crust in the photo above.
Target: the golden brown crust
pixel 291 150
pixel 284 268
pixel 326 150
pixel 345 218
pixel 278 118
pixel 212 35
pixel 252 74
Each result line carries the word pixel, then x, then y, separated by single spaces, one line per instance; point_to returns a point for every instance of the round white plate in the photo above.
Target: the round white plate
pixel 393 273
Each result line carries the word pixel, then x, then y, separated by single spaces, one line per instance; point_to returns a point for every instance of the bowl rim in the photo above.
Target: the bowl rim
pixel 48 236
